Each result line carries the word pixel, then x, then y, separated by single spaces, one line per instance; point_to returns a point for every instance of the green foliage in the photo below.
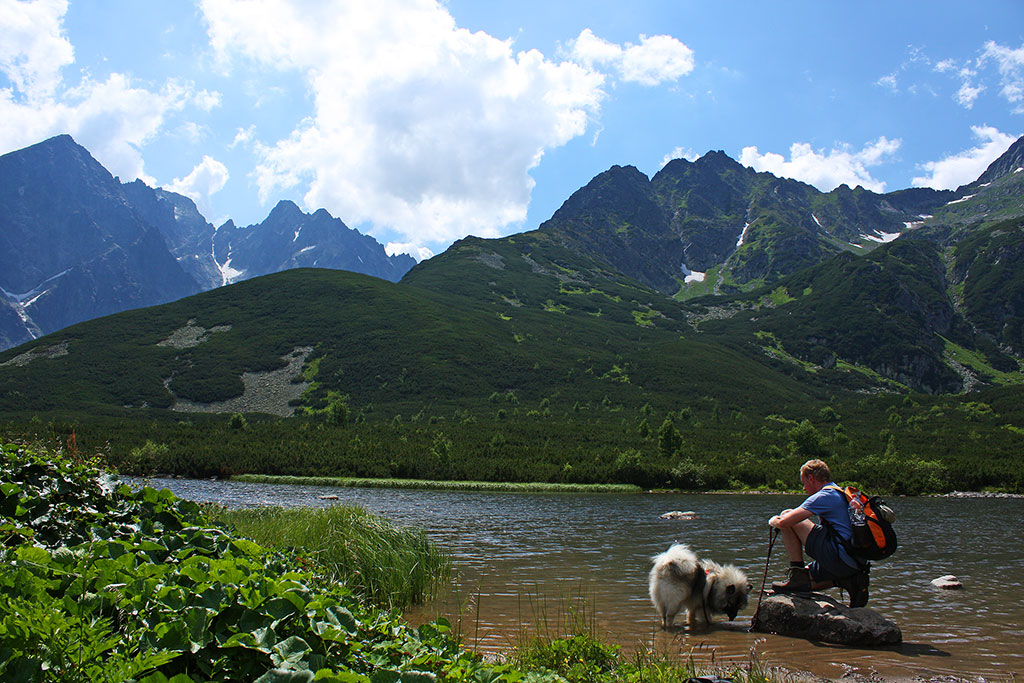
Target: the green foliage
pixel 828 414
pixel 669 439
pixel 100 582
pixel 578 659
pixel 805 441
pixel 337 410
pixel 975 446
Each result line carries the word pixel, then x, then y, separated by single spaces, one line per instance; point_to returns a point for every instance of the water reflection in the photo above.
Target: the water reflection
pixel 519 556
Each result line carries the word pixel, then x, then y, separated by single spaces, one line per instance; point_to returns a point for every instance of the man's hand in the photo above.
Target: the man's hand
pixel 773 521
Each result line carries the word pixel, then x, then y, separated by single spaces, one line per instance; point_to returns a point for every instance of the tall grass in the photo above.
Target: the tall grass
pixel 387 565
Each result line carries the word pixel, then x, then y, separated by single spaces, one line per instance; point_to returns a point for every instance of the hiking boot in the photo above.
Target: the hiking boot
pixel 857 587
pixel 798 581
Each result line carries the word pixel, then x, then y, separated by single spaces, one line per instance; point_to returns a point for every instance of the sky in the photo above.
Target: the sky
pixel 421 122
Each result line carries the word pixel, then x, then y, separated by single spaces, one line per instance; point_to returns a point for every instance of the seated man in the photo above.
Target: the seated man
pixel 832 565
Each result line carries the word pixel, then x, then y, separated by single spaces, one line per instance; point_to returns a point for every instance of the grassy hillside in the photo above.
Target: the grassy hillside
pixel 395 347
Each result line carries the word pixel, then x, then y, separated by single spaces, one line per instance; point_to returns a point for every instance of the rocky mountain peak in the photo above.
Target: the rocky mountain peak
pixel 286 210
pixel 1011 160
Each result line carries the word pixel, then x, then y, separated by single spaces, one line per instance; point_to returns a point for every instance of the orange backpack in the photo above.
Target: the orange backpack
pixel 873 535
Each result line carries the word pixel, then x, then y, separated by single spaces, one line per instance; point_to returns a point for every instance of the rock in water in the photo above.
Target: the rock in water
pixel 819 617
pixel 676 514
pixel 948 581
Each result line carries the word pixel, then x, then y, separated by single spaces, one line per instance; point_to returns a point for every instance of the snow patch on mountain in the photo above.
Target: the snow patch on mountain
pixel 227 273
pixel 690 275
pixel 962 199
pixel 880 237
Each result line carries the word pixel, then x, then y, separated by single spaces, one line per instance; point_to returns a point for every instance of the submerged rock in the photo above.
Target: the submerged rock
pixel 819 617
pixel 948 582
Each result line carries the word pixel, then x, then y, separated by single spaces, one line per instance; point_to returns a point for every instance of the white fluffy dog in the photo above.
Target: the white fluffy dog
pixel 679 580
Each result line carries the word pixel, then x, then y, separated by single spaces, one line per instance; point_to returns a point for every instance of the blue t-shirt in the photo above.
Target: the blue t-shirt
pixel 830 505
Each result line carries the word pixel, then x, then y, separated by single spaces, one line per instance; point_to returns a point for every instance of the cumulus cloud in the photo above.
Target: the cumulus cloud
pixel 111 117
pixel 417 252
pixel 208 177
pixel 825 171
pixel 655 60
pixel 33 49
pixel 966 166
pixel 418 127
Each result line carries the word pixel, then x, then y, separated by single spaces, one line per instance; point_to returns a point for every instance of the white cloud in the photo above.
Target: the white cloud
pixel 418 126
pixel 679 153
pixel 828 171
pixel 1010 63
pixel 33 48
pixel 243 136
pixel 889 82
pixel 966 166
pixel 968 94
pixel 417 252
pixel 191 131
pixel 206 100
pixel 591 50
pixel 111 117
pixel 655 60
pixel 207 178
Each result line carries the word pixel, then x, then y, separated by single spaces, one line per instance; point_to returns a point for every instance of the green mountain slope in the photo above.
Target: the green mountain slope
pixel 395 347
pixel 909 312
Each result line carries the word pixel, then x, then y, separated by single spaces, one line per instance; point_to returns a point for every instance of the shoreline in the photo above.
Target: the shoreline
pixel 536 487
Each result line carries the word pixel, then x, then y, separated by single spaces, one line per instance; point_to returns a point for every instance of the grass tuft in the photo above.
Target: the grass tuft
pixel 390 566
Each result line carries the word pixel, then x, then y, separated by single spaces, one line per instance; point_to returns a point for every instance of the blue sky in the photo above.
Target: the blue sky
pixel 420 122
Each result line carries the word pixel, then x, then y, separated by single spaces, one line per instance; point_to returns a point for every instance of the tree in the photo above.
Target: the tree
pixel 337 410
pixel 806 441
pixel 669 439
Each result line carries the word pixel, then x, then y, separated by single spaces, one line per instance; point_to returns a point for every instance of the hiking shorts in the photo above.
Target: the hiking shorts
pixel 827 565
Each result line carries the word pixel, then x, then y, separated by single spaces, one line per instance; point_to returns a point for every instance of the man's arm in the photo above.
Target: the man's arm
pixel 789 518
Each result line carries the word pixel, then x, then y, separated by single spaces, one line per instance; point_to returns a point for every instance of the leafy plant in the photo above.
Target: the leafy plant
pixel 100 582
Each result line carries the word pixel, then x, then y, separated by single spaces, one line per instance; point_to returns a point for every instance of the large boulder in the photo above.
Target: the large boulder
pixel 819 617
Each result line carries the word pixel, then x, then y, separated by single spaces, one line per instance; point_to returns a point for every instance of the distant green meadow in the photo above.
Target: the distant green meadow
pixel 430 484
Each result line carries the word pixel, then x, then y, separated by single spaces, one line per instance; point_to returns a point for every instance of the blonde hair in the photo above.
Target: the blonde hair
pixel 816 469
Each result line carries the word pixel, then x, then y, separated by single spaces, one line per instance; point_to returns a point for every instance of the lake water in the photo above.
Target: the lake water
pixel 519 557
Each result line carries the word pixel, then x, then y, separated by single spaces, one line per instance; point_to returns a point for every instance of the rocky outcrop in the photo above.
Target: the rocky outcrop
pixel 819 617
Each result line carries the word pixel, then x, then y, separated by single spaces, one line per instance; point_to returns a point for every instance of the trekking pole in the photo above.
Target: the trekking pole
pixel 772 535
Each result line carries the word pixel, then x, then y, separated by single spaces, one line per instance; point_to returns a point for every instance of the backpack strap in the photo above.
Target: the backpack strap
pixel 845 543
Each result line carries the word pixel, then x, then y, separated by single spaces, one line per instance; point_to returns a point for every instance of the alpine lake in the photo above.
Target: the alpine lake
pixel 522 561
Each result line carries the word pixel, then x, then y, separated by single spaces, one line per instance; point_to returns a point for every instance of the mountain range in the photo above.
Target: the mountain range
pixel 708 279
pixel 77 244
